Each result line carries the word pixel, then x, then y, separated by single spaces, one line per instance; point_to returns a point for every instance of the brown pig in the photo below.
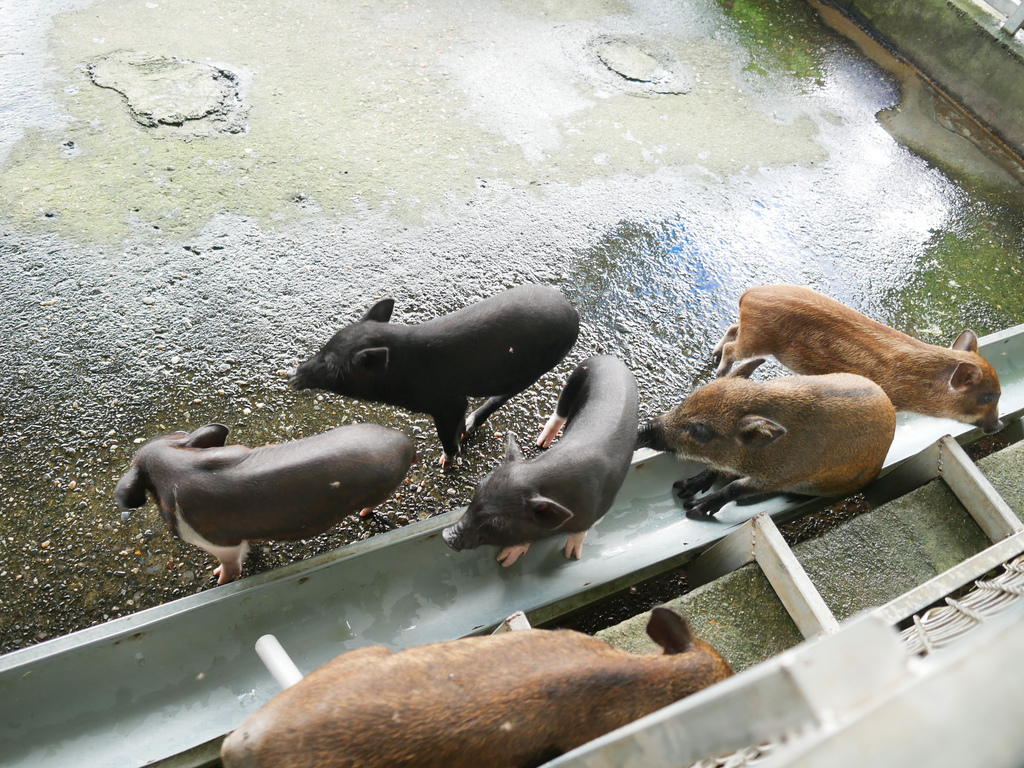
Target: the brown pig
pixel 815 435
pixel 504 701
pixel 812 334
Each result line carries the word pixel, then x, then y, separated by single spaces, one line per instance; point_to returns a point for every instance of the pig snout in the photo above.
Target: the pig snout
pixel 315 373
pixel 990 427
pixel 299 378
pixel 453 537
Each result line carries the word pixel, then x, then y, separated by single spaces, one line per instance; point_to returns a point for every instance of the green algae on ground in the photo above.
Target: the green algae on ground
pixel 399 109
pixel 776 34
pixel 971 276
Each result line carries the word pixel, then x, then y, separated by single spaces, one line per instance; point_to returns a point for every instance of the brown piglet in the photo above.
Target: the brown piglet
pixel 504 701
pixel 812 334
pixel 812 435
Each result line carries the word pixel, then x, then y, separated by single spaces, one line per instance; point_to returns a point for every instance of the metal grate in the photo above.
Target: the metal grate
pixel 940 626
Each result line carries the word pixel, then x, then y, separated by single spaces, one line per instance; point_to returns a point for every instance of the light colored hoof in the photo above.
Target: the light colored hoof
pixel 509 555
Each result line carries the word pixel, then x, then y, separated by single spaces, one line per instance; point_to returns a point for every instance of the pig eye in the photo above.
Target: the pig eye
pixel 988 398
pixel 702 433
pixel 494 524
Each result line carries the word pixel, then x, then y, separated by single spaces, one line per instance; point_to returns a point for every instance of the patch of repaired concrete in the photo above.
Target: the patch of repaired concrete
pixel 658 72
pixel 171 93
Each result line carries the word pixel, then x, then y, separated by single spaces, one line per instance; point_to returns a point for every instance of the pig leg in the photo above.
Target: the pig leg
pixel 509 555
pixel 706 506
pixel 567 400
pixel 481 414
pixel 698 483
pixel 574 546
pixel 551 429
pixel 451 425
pixel 721 356
pixel 231 558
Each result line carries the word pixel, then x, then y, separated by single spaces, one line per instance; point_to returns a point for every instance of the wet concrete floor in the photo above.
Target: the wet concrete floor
pixel 194 196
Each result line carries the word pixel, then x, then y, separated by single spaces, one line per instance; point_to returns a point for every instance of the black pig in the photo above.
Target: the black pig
pixel 570 487
pixel 495 348
pixel 219 497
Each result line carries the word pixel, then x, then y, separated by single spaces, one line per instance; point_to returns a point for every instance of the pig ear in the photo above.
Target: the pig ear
pixel 548 513
pixel 670 630
pixel 372 359
pixel 130 491
pixel 744 369
pixel 758 432
pixel 380 312
pixel 210 436
pixel 966 342
pixel 966 377
pixel 512 450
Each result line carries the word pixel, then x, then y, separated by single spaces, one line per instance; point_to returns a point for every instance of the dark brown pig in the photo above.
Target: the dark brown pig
pixel 503 701
pixel 221 497
pixel 812 334
pixel 815 435
pixel 495 348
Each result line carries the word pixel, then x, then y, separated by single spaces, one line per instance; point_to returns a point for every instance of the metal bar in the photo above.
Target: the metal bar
pixel 750 708
pixel 975 492
pixel 790 581
pixel 728 555
pixel 905 477
pixel 1016 19
pixel 400 588
pixel 278 662
pixel 935 589
pixel 1005 7
pixel 758 540
pixel 514 623
pixel 798 691
pixel 968 691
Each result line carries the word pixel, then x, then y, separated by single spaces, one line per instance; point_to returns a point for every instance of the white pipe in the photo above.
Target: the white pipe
pixel 278 661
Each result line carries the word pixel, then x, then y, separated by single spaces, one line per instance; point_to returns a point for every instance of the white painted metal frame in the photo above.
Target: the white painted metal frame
pixel 758 540
pixel 162 686
pixel 1014 20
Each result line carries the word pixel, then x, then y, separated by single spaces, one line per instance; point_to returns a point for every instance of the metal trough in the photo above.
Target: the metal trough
pixel 165 684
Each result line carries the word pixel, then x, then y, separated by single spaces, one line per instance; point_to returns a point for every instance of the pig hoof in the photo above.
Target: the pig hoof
pixel 698 483
pixel 509 555
pixel 225 575
pixel 683 490
pixel 446 461
pixel 701 509
pixel 574 546
pixel 680 489
pixel 367 511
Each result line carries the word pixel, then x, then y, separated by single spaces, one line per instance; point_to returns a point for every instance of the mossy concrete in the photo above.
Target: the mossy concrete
pixel 861 564
pixel 738 614
pixel 961 48
pixel 1005 470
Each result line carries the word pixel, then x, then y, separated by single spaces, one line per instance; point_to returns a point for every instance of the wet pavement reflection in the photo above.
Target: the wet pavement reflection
pixel 151 282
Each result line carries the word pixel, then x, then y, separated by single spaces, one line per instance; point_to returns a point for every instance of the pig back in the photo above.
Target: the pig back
pixel 499 345
pixel 839 429
pixel 511 700
pixel 600 404
pixel 322 478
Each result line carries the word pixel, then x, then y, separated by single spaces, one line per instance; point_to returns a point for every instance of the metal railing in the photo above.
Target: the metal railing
pixel 1012 10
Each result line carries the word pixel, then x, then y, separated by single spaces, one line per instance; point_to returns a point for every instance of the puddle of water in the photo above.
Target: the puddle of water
pixel 174 281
